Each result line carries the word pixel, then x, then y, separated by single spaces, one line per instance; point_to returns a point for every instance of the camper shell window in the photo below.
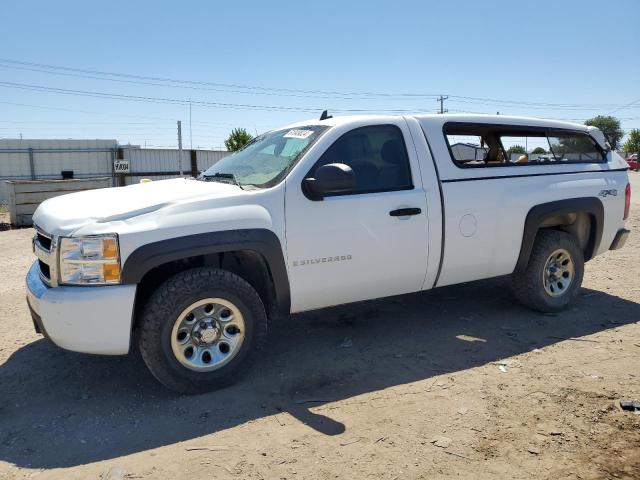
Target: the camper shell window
pixel 489 145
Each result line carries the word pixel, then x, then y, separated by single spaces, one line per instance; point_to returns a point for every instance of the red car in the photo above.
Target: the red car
pixel 632 161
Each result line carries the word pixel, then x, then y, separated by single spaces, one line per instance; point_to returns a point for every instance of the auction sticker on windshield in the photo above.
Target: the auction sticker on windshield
pixel 298 134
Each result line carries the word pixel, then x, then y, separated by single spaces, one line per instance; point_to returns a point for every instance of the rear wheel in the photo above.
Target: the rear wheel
pixel 554 273
pixel 202 329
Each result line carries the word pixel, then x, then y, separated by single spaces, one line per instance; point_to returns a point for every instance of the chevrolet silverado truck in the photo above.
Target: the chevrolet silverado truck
pixel 321 213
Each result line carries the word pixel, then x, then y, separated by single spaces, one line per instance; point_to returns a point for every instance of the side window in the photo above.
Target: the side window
pixel 377 155
pixel 467 149
pixel 567 147
pixel 531 148
pixel 474 145
pixel 487 145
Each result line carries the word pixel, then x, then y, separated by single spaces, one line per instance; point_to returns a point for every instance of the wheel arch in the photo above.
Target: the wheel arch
pixel 254 254
pixel 582 217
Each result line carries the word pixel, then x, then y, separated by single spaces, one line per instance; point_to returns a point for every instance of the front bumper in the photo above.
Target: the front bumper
pixel 620 239
pixel 93 319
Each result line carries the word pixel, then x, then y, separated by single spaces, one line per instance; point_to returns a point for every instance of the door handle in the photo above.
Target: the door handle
pixel 403 212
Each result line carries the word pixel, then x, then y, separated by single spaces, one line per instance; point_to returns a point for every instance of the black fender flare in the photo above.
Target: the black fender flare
pixel 538 214
pixel 263 241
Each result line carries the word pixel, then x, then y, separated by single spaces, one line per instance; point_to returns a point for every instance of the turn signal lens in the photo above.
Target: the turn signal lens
pixel 111 272
pixel 109 248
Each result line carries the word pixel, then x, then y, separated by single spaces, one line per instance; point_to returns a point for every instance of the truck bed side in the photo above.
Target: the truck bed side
pixel 485 209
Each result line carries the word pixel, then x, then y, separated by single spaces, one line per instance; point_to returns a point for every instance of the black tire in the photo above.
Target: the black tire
pixel 528 285
pixel 173 297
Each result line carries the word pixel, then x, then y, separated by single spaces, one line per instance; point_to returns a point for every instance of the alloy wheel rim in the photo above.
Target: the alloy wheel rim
pixel 558 272
pixel 207 334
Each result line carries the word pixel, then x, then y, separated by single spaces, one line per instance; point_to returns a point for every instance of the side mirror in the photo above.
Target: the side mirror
pixel 329 179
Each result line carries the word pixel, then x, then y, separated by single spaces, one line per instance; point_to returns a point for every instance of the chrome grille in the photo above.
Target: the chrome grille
pixel 44 239
pixel 44 248
pixel 45 271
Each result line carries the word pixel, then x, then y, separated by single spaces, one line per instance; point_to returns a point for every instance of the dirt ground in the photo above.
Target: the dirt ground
pixel 458 382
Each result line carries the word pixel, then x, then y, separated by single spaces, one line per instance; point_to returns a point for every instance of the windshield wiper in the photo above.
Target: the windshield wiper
pixel 230 176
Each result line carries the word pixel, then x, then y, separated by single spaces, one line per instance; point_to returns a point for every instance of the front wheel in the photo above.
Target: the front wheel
pixel 554 273
pixel 202 329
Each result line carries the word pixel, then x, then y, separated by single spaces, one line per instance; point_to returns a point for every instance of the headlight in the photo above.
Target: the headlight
pixel 89 260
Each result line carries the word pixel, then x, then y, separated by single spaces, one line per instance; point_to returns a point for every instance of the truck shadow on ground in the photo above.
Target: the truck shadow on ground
pixel 61 409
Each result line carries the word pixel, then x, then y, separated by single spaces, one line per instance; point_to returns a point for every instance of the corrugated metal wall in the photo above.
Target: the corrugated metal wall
pixel 206 158
pixel 163 160
pixel 87 158
pixel 92 158
pixel 152 160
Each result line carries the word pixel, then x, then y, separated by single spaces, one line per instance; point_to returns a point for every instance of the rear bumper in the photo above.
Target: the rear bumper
pixel 620 239
pixel 83 319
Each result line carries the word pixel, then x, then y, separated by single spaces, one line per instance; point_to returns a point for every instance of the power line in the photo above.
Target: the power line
pixel 287 91
pixel 255 89
pixel 185 102
pixel 57 122
pixel 118 115
pixel 73 110
pixel 460 98
pixel 625 106
pixel 177 101
pixel 541 106
pixel 248 90
pixel 117 96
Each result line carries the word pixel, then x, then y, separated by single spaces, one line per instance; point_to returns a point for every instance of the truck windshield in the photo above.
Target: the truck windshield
pixel 265 160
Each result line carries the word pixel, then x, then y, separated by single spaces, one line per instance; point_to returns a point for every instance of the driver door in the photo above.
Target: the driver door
pixel 356 246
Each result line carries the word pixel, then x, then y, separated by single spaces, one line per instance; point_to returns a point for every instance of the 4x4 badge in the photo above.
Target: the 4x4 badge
pixel 613 192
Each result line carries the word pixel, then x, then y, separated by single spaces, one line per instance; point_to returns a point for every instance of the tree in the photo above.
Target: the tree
pixel 539 151
pixel 516 149
pixel 610 126
pixel 632 145
pixel 237 139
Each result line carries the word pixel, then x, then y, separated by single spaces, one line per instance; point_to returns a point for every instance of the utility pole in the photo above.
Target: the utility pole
pixel 180 146
pixel 441 99
pixel 190 133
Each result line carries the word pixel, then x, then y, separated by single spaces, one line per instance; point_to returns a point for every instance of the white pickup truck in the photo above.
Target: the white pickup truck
pixel 321 213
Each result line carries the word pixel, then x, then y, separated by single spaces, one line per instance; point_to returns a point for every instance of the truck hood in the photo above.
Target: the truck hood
pixel 67 213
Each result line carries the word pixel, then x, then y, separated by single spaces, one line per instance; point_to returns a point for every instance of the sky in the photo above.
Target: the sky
pixel 128 70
